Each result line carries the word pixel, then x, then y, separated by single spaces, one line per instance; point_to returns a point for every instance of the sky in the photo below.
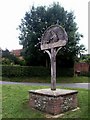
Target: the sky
pixel 12 11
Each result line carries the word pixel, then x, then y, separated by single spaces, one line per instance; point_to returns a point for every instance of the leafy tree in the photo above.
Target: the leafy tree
pixel 8 58
pixel 85 58
pixel 36 22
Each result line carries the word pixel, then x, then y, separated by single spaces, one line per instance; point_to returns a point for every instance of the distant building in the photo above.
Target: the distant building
pixel 17 53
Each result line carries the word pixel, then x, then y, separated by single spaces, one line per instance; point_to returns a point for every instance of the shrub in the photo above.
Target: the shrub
pixel 87 74
pixel 17 71
pixel 69 72
pixel 33 71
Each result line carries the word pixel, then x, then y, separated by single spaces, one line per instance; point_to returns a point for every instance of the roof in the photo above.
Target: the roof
pixel 16 52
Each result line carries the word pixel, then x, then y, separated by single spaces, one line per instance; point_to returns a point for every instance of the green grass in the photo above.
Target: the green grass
pixel 15 103
pixel 78 79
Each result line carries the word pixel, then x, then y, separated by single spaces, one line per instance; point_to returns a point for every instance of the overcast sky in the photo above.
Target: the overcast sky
pixel 12 11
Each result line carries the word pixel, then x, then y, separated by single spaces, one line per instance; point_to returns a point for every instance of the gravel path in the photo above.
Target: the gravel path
pixel 68 85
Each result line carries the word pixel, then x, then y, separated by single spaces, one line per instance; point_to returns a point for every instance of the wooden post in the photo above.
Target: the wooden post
pixel 54 38
pixel 52 56
pixel 53 69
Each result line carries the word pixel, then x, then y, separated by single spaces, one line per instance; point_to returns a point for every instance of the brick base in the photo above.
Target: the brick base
pixel 53 102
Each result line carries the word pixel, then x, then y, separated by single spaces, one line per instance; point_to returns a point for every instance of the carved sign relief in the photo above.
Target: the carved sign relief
pixel 54 36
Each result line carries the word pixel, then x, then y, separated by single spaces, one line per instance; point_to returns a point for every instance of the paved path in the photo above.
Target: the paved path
pixel 68 85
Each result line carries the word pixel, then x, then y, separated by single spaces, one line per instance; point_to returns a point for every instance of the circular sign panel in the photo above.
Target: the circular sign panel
pixel 54 36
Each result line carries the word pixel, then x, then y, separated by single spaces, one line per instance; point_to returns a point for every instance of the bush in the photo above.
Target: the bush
pixel 68 72
pixel 18 71
pixel 87 74
pixel 33 71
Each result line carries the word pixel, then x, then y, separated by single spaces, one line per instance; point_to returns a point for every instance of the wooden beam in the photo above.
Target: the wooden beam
pixel 53 69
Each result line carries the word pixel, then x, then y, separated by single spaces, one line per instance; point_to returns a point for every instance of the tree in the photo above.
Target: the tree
pixel 36 22
pixel 85 58
pixel 8 58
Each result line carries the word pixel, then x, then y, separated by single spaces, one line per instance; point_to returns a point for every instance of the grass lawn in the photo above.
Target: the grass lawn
pixel 78 79
pixel 15 100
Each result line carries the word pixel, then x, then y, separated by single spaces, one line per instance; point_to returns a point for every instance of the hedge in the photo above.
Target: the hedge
pixel 66 72
pixel 18 71
pixel 87 74
pixel 31 71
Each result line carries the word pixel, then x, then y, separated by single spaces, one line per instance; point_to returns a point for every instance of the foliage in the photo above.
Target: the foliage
pixel 9 59
pixel 15 103
pixel 18 71
pixel 36 22
pixel 85 74
pixel 6 61
pixel 85 58
pixel 33 71
pixel 65 72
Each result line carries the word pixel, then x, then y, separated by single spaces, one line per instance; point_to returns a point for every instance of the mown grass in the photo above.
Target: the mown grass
pixel 15 103
pixel 74 79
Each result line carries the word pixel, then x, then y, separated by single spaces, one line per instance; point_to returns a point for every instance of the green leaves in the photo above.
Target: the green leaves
pixel 36 22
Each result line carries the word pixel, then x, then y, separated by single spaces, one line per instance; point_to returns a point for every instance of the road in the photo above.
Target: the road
pixel 68 85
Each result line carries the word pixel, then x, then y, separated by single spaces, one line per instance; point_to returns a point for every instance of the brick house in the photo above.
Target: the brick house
pixel 17 53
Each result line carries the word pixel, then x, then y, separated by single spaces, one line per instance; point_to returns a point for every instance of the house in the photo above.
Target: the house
pixel 17 53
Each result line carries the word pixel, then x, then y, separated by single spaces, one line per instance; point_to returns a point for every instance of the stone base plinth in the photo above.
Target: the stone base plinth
pixel 53 102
